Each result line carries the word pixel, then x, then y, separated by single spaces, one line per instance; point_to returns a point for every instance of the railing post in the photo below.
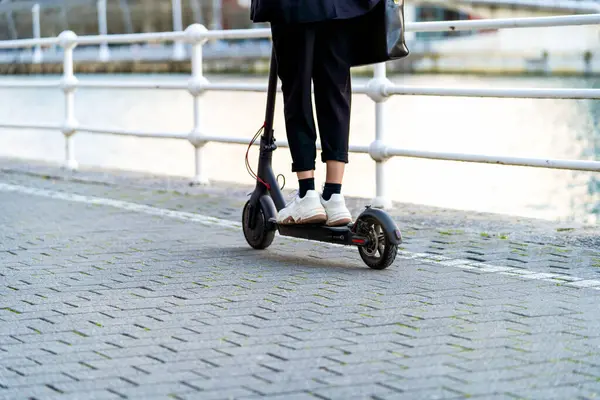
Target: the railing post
pixel 217 14
pixel 178 50
pixel 197 10
pixel 124 6
pixel 68 41
pixel 378 149
pixel 103 53
pixel 410 16
pixel 217 19
pixel 12 28
pixel 35 19
pixel 196 35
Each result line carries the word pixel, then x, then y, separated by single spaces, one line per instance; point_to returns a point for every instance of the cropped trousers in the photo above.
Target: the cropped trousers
pixel 317 53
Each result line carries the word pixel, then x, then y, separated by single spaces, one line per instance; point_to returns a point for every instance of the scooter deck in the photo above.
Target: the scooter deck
pixel 320 232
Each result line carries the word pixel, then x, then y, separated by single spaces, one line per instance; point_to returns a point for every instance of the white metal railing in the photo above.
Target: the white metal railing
pixel 379 88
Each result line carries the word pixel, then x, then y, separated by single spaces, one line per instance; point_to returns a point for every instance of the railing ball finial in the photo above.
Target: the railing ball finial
pixel 67 39
pixel 197 85
pixel 377 89
pixel 196 33
pixel 68 84
pixel 196 138
pixel 69 127
pixel 378 151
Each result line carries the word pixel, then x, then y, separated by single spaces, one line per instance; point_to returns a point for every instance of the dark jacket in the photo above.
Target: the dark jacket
pixel 303 11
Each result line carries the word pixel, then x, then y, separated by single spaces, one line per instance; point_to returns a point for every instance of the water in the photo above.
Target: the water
pixel 562 129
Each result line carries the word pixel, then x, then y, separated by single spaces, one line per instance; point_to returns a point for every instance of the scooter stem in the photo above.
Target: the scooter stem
pixel 267 145
pixel 271 95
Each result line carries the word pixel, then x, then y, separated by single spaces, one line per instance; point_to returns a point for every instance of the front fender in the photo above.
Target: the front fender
pixel 268 207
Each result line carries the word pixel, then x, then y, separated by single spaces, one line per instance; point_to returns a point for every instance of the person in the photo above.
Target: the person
pixel 313 43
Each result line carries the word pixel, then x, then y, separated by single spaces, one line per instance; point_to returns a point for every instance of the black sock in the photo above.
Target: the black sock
pixel 331 188
pixel 306 185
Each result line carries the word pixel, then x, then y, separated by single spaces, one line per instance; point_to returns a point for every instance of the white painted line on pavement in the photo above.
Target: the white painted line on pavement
pixel 125 205
pixel 206 220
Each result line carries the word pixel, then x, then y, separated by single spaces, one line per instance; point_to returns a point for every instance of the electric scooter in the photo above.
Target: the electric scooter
pixel 374 232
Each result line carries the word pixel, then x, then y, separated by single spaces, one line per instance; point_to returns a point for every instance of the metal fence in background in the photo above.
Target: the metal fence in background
pixel 18 17
pixel 47 18
pixel 379 88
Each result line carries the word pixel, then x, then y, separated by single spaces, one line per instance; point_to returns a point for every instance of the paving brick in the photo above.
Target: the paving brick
pixel 89 394
pixel 163 376
pixel 93 384
pixel 163 389
pixel 375 367
pixel 86 356
pixel 285 396
pixel 364 357
pixel 368 347
pixel 244 341
pixel 314 344
pixel 232 393
pixel 322 334
pixel 16 362
pixel 559 375
pixel 493 375
pixel 225 382
pixel 316 352
pixel 414 384
pixel 429 394
pixel 488 387
pixel 503 396
pixel 431 371
pixel 358 376
pixel 120 362
pixel 124 371
pixel 354 392
pixel 8 340
pixel 14 381
pixel 558 392
pixel 42 369
pixel 252 349
pixel 29 392
pixel 486 364
pixel 592 386
pixel 233 370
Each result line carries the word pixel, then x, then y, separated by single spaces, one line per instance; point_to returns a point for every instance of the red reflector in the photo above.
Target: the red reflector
pixel 358 241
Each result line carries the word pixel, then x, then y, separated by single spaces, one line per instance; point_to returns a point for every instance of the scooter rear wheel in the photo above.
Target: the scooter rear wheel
pixel 259 237
pixel 379 253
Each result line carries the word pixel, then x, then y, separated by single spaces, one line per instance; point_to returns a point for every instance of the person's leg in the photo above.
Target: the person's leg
pixel 294 49
pixel 334 178
pixel 333 92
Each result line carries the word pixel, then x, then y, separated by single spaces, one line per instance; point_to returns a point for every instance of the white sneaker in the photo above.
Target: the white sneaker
pixel 337 212
pixel 306 210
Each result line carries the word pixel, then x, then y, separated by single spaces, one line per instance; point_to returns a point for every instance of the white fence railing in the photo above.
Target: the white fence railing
pixel 379 88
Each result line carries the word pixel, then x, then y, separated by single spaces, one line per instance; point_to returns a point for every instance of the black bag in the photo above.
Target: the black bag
pixel 379 34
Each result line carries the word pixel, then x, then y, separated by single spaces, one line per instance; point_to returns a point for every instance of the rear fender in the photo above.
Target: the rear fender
pixel 393 234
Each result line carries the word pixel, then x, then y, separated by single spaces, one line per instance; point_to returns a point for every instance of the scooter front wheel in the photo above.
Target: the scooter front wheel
pixel 380 252
pixel 260 237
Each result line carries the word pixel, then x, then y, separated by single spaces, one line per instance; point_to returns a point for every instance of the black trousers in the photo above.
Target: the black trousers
pixel 317 52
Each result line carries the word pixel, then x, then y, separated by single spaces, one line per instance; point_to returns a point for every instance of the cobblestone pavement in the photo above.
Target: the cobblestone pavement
pixel 102 298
